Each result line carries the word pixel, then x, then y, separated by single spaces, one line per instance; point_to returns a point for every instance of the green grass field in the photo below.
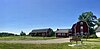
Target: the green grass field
pixel 94 45
pixel 26 38
pixel 47 46
pixel 94 40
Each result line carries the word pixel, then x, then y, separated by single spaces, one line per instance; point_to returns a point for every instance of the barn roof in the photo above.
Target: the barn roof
pixel 62 30
pixel 40 30
pixel 98 29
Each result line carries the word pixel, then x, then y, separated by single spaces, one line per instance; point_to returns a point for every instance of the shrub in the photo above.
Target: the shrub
pixel 93 36
pixel 22 33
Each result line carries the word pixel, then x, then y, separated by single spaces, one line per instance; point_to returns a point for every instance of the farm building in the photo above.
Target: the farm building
pixel 73 29
pixel 42 32
pixel 62 32
pixel 80 28
pixel 98 31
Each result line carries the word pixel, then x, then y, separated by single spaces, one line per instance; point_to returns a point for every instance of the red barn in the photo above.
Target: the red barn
pixel 80 28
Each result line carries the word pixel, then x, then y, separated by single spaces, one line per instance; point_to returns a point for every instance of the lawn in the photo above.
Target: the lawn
pixel 94 40
pixel 26 38
pixel 94 45
pixel 47 46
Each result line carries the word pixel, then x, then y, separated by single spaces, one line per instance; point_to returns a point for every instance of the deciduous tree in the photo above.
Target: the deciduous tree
pixel 90 18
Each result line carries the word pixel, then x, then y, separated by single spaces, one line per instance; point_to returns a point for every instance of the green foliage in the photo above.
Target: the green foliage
pixel 93 36
pixel 92 31
pixel 22 33
pixel 98 21
pixel 90 19
pixel 52 33
pixel 47 46
pixel 6 34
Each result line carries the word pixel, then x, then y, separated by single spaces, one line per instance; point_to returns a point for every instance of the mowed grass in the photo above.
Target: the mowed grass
pixel 26 38
pixel 47 46
pixel 94 45
pixel 93 40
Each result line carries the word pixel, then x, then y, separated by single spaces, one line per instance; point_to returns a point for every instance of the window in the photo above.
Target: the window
pixel 78 34
pixel 81 23
pixel 85 33
pixel 63 34
pixel 43 34
pixel 81 27
pixel 81 33
pixel 59 34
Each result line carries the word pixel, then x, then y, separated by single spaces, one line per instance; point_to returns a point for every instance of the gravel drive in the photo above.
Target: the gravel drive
pixel 59 40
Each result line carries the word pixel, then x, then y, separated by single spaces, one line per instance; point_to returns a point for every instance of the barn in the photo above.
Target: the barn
pixel 62 32
pixel 80 28
pixel 73 29
pixel 42 32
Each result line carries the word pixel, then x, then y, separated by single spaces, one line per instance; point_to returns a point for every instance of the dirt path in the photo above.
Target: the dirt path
pixel 60 40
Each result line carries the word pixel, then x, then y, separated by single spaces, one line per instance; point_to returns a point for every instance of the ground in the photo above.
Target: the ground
pixel 59 43
pixel 59 40
pixel 25 38
pixel 47 46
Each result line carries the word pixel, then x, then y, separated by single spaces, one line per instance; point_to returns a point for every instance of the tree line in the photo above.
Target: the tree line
pixel 2 34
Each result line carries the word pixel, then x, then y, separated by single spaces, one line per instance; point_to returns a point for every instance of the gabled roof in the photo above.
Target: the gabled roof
pixel 40 30
pixel 62 30
pixel 98 29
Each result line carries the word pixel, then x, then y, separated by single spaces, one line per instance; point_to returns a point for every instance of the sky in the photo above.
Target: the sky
pixel 26 15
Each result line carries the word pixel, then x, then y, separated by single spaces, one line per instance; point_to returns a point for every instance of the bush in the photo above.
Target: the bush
pixel 22 33
pixel 6 34
pixel 93 36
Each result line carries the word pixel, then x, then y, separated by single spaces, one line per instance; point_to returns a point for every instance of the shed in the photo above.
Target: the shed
pixel 42 32
pixel 62 32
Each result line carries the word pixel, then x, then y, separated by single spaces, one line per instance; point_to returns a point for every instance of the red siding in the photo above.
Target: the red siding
pixel 78 26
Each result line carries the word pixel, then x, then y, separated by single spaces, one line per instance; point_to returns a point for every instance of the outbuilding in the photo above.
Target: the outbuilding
pixel 42 32
pixel 98 31
pixel 62 32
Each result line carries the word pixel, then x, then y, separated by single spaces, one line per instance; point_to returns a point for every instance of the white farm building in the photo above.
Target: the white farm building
pixel 98 32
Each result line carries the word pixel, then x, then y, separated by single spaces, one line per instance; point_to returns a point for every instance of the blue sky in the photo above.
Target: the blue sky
pixel 25 15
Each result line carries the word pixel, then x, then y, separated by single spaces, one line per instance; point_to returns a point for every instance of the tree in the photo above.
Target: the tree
pixel 6 34
pixel 90 19
pixel 98 22
pixel 22 33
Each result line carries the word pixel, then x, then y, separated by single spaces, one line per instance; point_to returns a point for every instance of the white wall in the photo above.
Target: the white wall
pixel 98 34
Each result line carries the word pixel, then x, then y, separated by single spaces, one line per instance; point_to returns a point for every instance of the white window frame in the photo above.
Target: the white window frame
pixel 81 23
